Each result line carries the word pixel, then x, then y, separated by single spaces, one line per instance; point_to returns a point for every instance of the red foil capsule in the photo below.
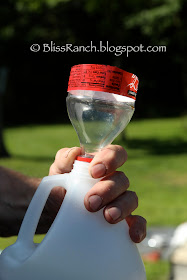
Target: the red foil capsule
pixel 105 78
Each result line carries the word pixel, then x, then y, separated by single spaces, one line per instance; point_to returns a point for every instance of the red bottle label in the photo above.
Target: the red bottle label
pixel 105 78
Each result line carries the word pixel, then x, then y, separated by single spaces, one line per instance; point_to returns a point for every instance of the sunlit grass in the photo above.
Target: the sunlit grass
pixel 157 270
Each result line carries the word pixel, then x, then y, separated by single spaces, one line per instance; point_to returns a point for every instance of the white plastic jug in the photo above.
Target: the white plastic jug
pixel 79 245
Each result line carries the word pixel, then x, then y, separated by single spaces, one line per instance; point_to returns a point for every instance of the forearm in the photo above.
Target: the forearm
pixel 16 192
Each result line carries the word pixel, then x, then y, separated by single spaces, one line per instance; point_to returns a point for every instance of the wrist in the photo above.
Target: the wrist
pixel 16 192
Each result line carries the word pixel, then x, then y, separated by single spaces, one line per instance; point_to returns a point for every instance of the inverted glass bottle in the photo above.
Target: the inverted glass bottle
pixel 98 117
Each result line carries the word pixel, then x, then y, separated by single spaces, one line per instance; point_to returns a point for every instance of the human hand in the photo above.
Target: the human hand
pixel 110 193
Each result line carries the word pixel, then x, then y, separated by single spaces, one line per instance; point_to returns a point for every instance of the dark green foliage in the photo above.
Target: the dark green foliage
pixel 38 81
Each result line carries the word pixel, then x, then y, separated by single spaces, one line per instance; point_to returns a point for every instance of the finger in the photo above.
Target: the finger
pixel 64 160
pixel 137 227
pixel 121 207
pixel 105 191
pixel 107 161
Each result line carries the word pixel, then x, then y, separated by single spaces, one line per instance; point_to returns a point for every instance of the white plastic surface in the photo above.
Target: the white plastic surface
pixel 180 236
pixel 79 245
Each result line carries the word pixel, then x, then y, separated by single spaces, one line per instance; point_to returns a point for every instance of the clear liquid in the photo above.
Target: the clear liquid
pixel 97 122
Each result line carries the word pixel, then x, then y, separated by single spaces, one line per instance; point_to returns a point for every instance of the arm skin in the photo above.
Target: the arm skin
pixel 16 191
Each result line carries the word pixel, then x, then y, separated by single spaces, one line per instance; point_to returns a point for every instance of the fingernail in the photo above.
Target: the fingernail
pixel 114 213
pixel 95 202
pixel 98 170
pixel 136 236
pixel 139 235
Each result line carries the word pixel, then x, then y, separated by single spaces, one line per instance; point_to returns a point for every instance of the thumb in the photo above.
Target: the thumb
pixel 64 160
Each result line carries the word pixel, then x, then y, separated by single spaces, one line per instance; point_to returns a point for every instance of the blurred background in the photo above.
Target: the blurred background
pixel 33 86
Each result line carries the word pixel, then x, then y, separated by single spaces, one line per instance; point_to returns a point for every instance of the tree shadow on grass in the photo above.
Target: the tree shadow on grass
pixel 151 146
pixel 33 158
pixel 155 146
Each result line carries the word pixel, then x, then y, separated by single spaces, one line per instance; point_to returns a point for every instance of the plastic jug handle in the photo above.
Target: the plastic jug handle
pixel 32 216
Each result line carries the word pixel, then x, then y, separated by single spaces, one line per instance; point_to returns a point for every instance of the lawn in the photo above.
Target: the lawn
pixel 156 166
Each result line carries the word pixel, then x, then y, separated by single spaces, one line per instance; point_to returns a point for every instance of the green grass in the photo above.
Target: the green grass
pixel 157 270
pixel 156 167
pixel 33 148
